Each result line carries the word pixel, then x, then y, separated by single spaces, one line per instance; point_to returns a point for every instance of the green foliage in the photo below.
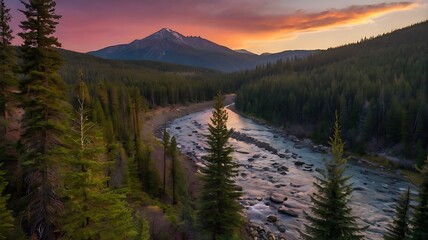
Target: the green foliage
pixel 331 217
pixel 148 173
pixel 399 228
pixel 174 155
pixel 46 108
pixel 159 83
pixel 93 210
pixel 165 143
pixel 8 78
pixel 143 230
pixel 180 195
pixel 219 212
pixel 7 220
pixel 379 87
pixel 420 219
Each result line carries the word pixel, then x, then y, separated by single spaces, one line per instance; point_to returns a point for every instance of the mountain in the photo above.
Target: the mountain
pixel 170 46
pixel 245 51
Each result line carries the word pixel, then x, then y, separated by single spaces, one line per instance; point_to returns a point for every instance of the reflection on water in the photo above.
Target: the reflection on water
pixel 262 173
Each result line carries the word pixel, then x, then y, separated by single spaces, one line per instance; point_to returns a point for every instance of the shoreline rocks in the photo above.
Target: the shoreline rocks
pixel 247 139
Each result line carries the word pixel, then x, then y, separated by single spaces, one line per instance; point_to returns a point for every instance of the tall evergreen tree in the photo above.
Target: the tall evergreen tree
pixel 219 212
pixel 165 143
pixel 46 113
pixel 420 221
pixel 6 218
pixel 399 228
pixel 331 217
pixel 7 76
pixel 93 211
pixel 174 155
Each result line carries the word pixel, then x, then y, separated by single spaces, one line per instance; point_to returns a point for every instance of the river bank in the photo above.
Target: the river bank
pixel 155 119
pixel 154 122
pixel 272 163
pixel 376 161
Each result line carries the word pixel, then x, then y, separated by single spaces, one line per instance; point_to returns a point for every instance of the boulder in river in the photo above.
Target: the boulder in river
pixel 299 163
pixel 281 227
pixel 287 211
pixel 271 218
pixel 243 152
pixel 282 168
pixel 360 188
pixel 277 198
pixel 294 204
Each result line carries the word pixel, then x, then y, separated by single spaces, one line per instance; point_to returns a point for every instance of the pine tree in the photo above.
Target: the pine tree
pixel 7 76
pixel 165 144
pixel 399 228
pixel 46 113
pixel 219 212
pixel 174 155
pixel 420 221
pixel 144 230
pixel 93 211
pixel 149 175
pixel 331 217
pixel 6 218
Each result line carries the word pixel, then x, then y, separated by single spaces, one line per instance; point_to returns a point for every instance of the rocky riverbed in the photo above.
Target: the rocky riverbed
pixel 276 173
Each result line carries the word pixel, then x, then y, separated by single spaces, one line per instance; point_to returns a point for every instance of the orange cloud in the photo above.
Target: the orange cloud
pixel 88 25
pixel 280 26
pixel 334 17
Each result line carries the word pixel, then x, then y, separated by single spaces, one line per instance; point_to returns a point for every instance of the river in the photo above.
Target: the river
pixel 263 173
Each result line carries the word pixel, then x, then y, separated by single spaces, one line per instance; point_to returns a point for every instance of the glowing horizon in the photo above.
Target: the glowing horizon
pixel 255 25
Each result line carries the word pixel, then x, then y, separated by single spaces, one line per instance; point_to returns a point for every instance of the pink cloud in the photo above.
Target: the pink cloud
pixel 88 25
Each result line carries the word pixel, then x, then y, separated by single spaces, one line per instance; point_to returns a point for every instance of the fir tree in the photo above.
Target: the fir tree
pixel 219 213
pixel 149 175
pixel 165 143
pixel 144 230
pixel 420 221
pixel 174 155
pixel 6 218
pixel 7 76
pixel 46 114
pixel 331 217
pixel 93 211
pixel 399 228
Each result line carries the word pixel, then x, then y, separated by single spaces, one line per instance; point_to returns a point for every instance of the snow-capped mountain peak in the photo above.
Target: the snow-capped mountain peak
pixel 167 33
pixel 167 45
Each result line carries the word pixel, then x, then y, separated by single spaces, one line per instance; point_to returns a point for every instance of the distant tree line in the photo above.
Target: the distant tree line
pixel 158 86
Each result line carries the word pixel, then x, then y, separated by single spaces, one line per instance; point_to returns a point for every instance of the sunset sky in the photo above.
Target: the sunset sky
pixel 256 25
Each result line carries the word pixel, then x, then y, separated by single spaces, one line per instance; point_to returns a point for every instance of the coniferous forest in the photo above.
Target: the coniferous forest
pixel 379 86
pixel 84 156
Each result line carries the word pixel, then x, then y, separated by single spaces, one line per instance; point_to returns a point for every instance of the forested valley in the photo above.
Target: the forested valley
pixel 75 164
pixel 378 86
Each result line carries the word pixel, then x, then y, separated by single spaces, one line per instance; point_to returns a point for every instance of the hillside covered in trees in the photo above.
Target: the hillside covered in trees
pixel 159 83
pixel 378 86
pixel 73 161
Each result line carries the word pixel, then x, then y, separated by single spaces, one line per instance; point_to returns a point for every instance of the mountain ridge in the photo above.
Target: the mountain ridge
pixel 167 45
